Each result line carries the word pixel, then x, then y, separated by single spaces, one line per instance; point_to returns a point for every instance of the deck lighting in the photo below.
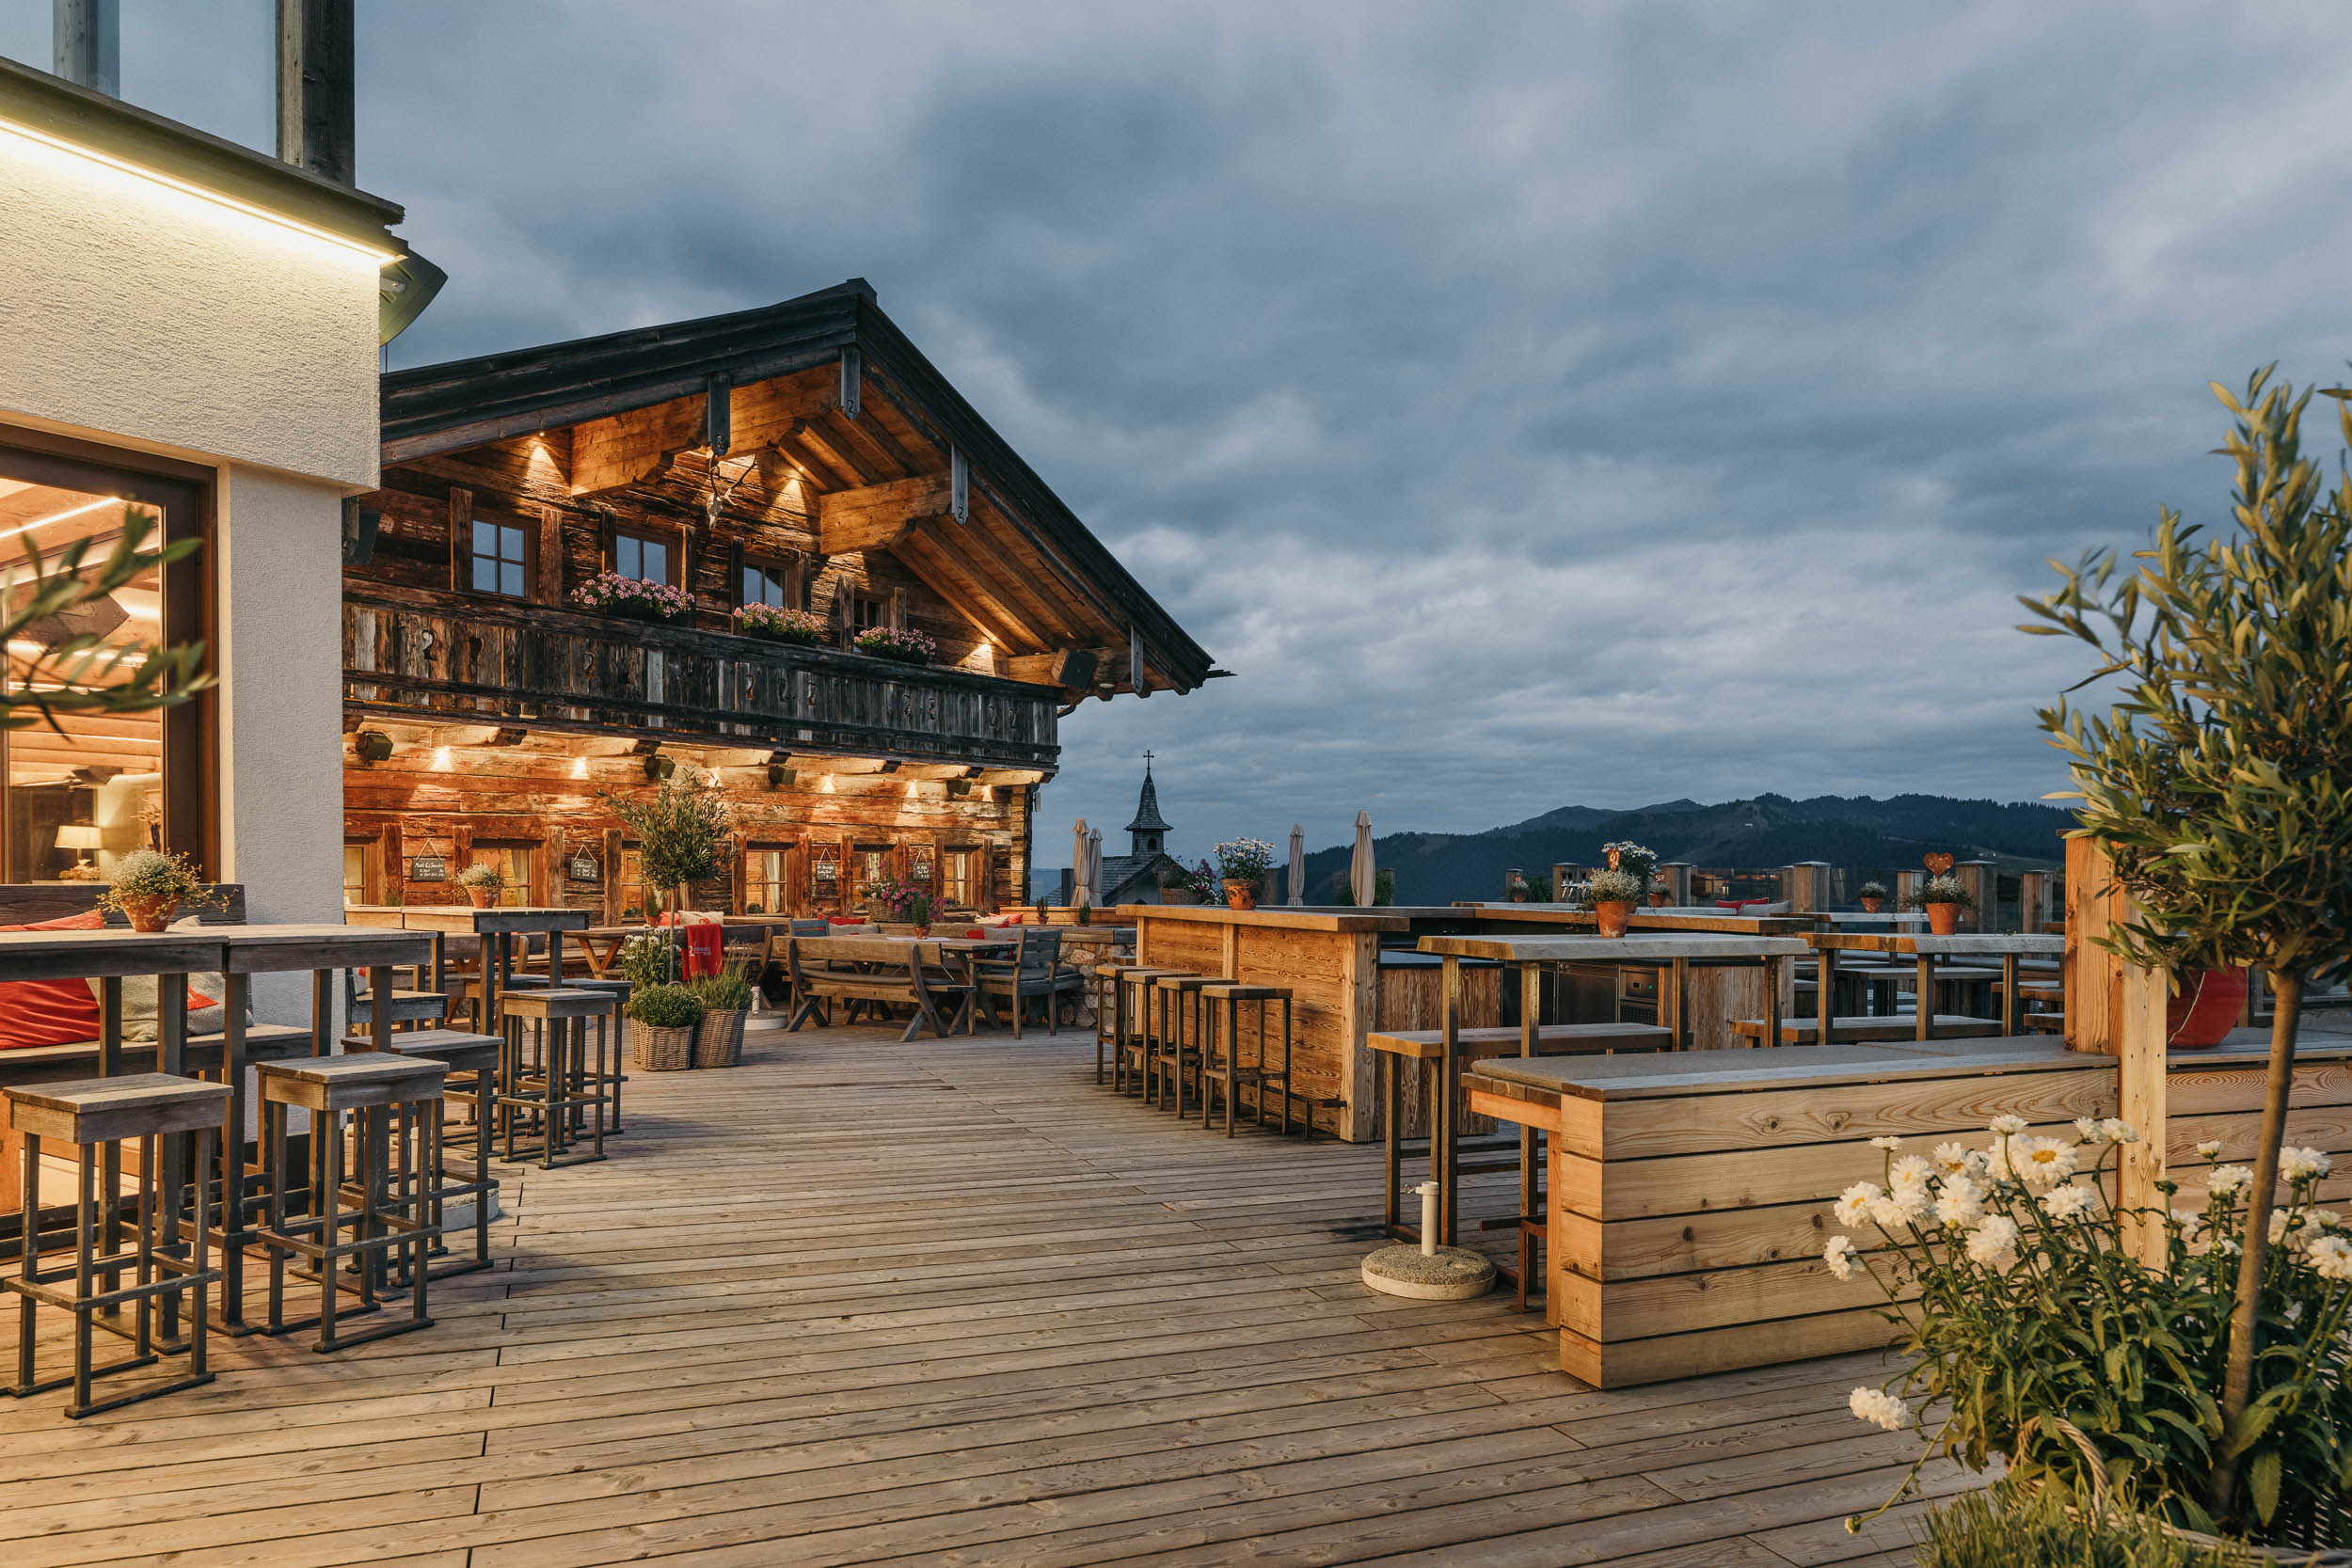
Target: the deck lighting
pixel 57 144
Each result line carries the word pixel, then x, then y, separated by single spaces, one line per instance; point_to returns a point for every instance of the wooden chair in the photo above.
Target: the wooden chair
pixel 871 973
pixel 1034 973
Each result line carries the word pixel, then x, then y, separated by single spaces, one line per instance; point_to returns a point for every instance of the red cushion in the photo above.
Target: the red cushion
pixel 976 934
pixel 50 1012
pixel 845 920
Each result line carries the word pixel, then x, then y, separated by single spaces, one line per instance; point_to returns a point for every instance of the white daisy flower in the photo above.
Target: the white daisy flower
pixel 2228 1182
pixel 2302 1165
pixel 2008 1127
pixel 2327 1219
pixel 1838 1255
pixel 2210 1148
pixel 1854 1205
pixel 1990 1242
pixel 1879 1408
pixel 2067 1201
pixel 2116 1130
pixel 1952 1158
pixel 2331 1256
pixel 1960 1203
pixel 2088 1127
pixel 1890 1145
pixel 2190 1222
pixel 1907 1204
pixel 1912 1168
pixel 2042 1162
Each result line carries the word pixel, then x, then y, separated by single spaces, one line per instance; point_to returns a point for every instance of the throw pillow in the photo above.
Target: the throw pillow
pixel 50 1012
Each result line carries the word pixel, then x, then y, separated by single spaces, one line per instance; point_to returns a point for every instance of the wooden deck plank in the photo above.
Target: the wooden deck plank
pixel 857 1301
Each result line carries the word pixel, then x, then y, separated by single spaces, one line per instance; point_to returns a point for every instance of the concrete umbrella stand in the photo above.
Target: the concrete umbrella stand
pixel 1429 1271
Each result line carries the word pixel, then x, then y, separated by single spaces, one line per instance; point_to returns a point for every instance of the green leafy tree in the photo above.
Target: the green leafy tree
pixel 74 669
pixel 681 834
pixel 2220 780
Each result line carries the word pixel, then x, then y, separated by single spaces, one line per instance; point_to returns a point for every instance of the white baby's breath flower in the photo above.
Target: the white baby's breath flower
pixel 1991 1241
pixel 2228 1182
pixel 1879 1408
pixel 1889 1143
pixel 2067 1200
pixel 2302 1165
pixel 2330 1257
pixel 1854 1205
pixel 1960 1202
pixel 2008 1127
pixel 1838 1255
pixel 2210 1148
pixel 2116 1130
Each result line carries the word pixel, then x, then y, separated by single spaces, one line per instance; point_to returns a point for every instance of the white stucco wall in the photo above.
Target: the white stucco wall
pixel 134 310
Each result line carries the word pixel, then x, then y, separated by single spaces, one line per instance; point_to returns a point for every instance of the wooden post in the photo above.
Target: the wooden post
pixel 2140 1096
pixel 2033 901
pixel 1982 881
pixel 1806 885
pixel 315 57
pixel 1676 875
pixel 1907 887
pixel 2094 976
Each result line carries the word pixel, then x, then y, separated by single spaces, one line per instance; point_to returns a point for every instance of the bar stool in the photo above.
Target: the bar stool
pixel 472 1061
pixel 619 991
pixel 545 1070
pixel 99 1116
pixel 1175 994
pixel 384 1094
pixel 1134 1057
pixel 1228 997
pixel 1107 1014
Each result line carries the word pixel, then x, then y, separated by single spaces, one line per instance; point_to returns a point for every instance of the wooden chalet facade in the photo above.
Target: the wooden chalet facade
pixel 804 455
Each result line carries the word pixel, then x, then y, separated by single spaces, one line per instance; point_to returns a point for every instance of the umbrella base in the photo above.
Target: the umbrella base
pixel 1450 1274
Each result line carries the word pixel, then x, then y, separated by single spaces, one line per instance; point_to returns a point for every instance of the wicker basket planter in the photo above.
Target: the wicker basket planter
pixel 720 1041
pixel 661 1050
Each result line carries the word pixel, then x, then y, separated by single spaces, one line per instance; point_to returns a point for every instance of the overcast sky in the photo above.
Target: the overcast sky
pixel 1529 404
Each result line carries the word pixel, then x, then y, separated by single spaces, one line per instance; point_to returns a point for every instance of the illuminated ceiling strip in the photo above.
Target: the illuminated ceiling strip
pixel 60 516
pixel 373 253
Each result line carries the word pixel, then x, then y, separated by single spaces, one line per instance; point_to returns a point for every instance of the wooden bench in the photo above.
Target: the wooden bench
pixel 886 973
pixel 1867 1030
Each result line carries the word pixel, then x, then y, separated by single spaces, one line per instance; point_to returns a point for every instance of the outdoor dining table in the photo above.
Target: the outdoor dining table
pixel 496 926
pixel 1531 956
pixel 1925 948
pixel 237 952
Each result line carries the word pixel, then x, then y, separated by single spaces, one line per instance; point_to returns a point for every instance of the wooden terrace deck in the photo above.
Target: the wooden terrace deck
pixel 950 1303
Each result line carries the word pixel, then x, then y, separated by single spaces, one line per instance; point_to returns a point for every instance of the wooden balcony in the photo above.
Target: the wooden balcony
pixel 409 653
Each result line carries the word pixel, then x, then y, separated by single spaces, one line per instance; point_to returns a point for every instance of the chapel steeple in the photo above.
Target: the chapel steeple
pixel 1148 831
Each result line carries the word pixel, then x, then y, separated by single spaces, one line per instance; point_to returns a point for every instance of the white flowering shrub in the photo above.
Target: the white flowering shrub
pixel 2030 1327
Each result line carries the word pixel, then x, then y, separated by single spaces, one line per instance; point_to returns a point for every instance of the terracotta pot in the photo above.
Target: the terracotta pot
pixel 152 914
pixel 1613 913
pixel 1943 919
pixel 921 932
pixel 1872 906
pixel 1241 896
pixel 2210 1004
pixel 1658 900
pixel 482 898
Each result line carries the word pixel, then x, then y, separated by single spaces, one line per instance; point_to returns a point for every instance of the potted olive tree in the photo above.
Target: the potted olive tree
pixel 2219 783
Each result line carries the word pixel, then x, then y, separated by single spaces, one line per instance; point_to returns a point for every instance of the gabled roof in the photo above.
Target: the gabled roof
pixel 471 403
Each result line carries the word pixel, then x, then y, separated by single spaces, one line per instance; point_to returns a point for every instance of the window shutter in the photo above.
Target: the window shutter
pixel 604 543
pixel 734 573
pixel 898 608
pixel 550 588
pixel 460 539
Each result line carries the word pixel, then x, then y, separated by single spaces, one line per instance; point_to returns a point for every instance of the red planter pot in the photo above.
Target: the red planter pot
pixel 2209 1007
pixel 1612 915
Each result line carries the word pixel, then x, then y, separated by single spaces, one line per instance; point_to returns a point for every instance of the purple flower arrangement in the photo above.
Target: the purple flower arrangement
pixel 903 643
pixel 637 598
pixel 781 625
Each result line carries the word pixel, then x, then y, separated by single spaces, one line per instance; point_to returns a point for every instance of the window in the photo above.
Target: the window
pixel 871 864
pixel 764 582
pixel 360 875
pixel 502 558
pixel 766 891
pixel 650 556
pixel 636 898
pixel 960 876
pixel 864 612
pixel 512 858
pixel 76 798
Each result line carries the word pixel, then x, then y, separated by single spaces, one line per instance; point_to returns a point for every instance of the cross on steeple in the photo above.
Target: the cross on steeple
pixel 1147 759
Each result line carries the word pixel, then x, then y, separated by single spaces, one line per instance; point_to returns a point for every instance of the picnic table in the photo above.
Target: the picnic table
pixel 874 970
pixel 1925 949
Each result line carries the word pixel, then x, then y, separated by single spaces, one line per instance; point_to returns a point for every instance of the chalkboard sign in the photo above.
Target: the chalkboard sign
pixel 586 869
pixel 428 868
pixel 826 871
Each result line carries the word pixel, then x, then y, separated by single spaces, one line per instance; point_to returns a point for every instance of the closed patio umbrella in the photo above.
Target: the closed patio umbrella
pixel 1360 872
pixel 1298 863
pixel 1078 866
pixel 1094 866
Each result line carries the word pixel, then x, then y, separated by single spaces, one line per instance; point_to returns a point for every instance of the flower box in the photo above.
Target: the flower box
pixel 774 624
pixel 633 598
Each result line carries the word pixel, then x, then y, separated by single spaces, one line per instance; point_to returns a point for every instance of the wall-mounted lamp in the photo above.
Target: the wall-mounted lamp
pixel 779 776
pixel 579 768
pixel 826 786
pixel 373 746
pixel 659 767
pixel 440 759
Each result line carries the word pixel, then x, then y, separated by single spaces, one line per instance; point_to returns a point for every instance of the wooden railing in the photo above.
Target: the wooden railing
pixel 410 652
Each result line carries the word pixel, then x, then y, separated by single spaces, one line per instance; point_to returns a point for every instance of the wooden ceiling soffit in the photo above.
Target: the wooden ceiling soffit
pixel 875 517
pixel 764 410
pixel 976 581
pixel 1065 621
pixel 623 450
pixel 943 575
pixel 839 454
pixel 867 438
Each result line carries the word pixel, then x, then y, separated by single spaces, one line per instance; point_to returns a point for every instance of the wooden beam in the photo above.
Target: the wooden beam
pixel 916 551
pixel 840 455
pixel 793 443
pixel 874 441
pixel 760 412
pixel 1064 624
pixel 877 515
pixel 1072 668
pixel 315 66
pixel 625 450
pixel 974 581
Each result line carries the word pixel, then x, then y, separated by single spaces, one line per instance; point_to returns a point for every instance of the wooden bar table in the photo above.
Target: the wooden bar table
pixel 1924 948
pixel 497 927
pixel 1676 950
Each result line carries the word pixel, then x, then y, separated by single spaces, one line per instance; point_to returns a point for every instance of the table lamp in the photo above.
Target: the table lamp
pixel 81 837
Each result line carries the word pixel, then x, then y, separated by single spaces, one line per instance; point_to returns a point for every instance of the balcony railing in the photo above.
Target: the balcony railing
pixel 410 652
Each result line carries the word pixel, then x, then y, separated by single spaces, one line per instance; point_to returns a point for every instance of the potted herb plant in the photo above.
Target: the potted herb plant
pixel 903 643
pixel 633 598
pixel 1873 896
pixel 147 888
pixel 1241 865
pixel 483 884
pixel 1613 895
pixel 776 623
pixel 1942 897
pixel 726 1001
pixel 663 1021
